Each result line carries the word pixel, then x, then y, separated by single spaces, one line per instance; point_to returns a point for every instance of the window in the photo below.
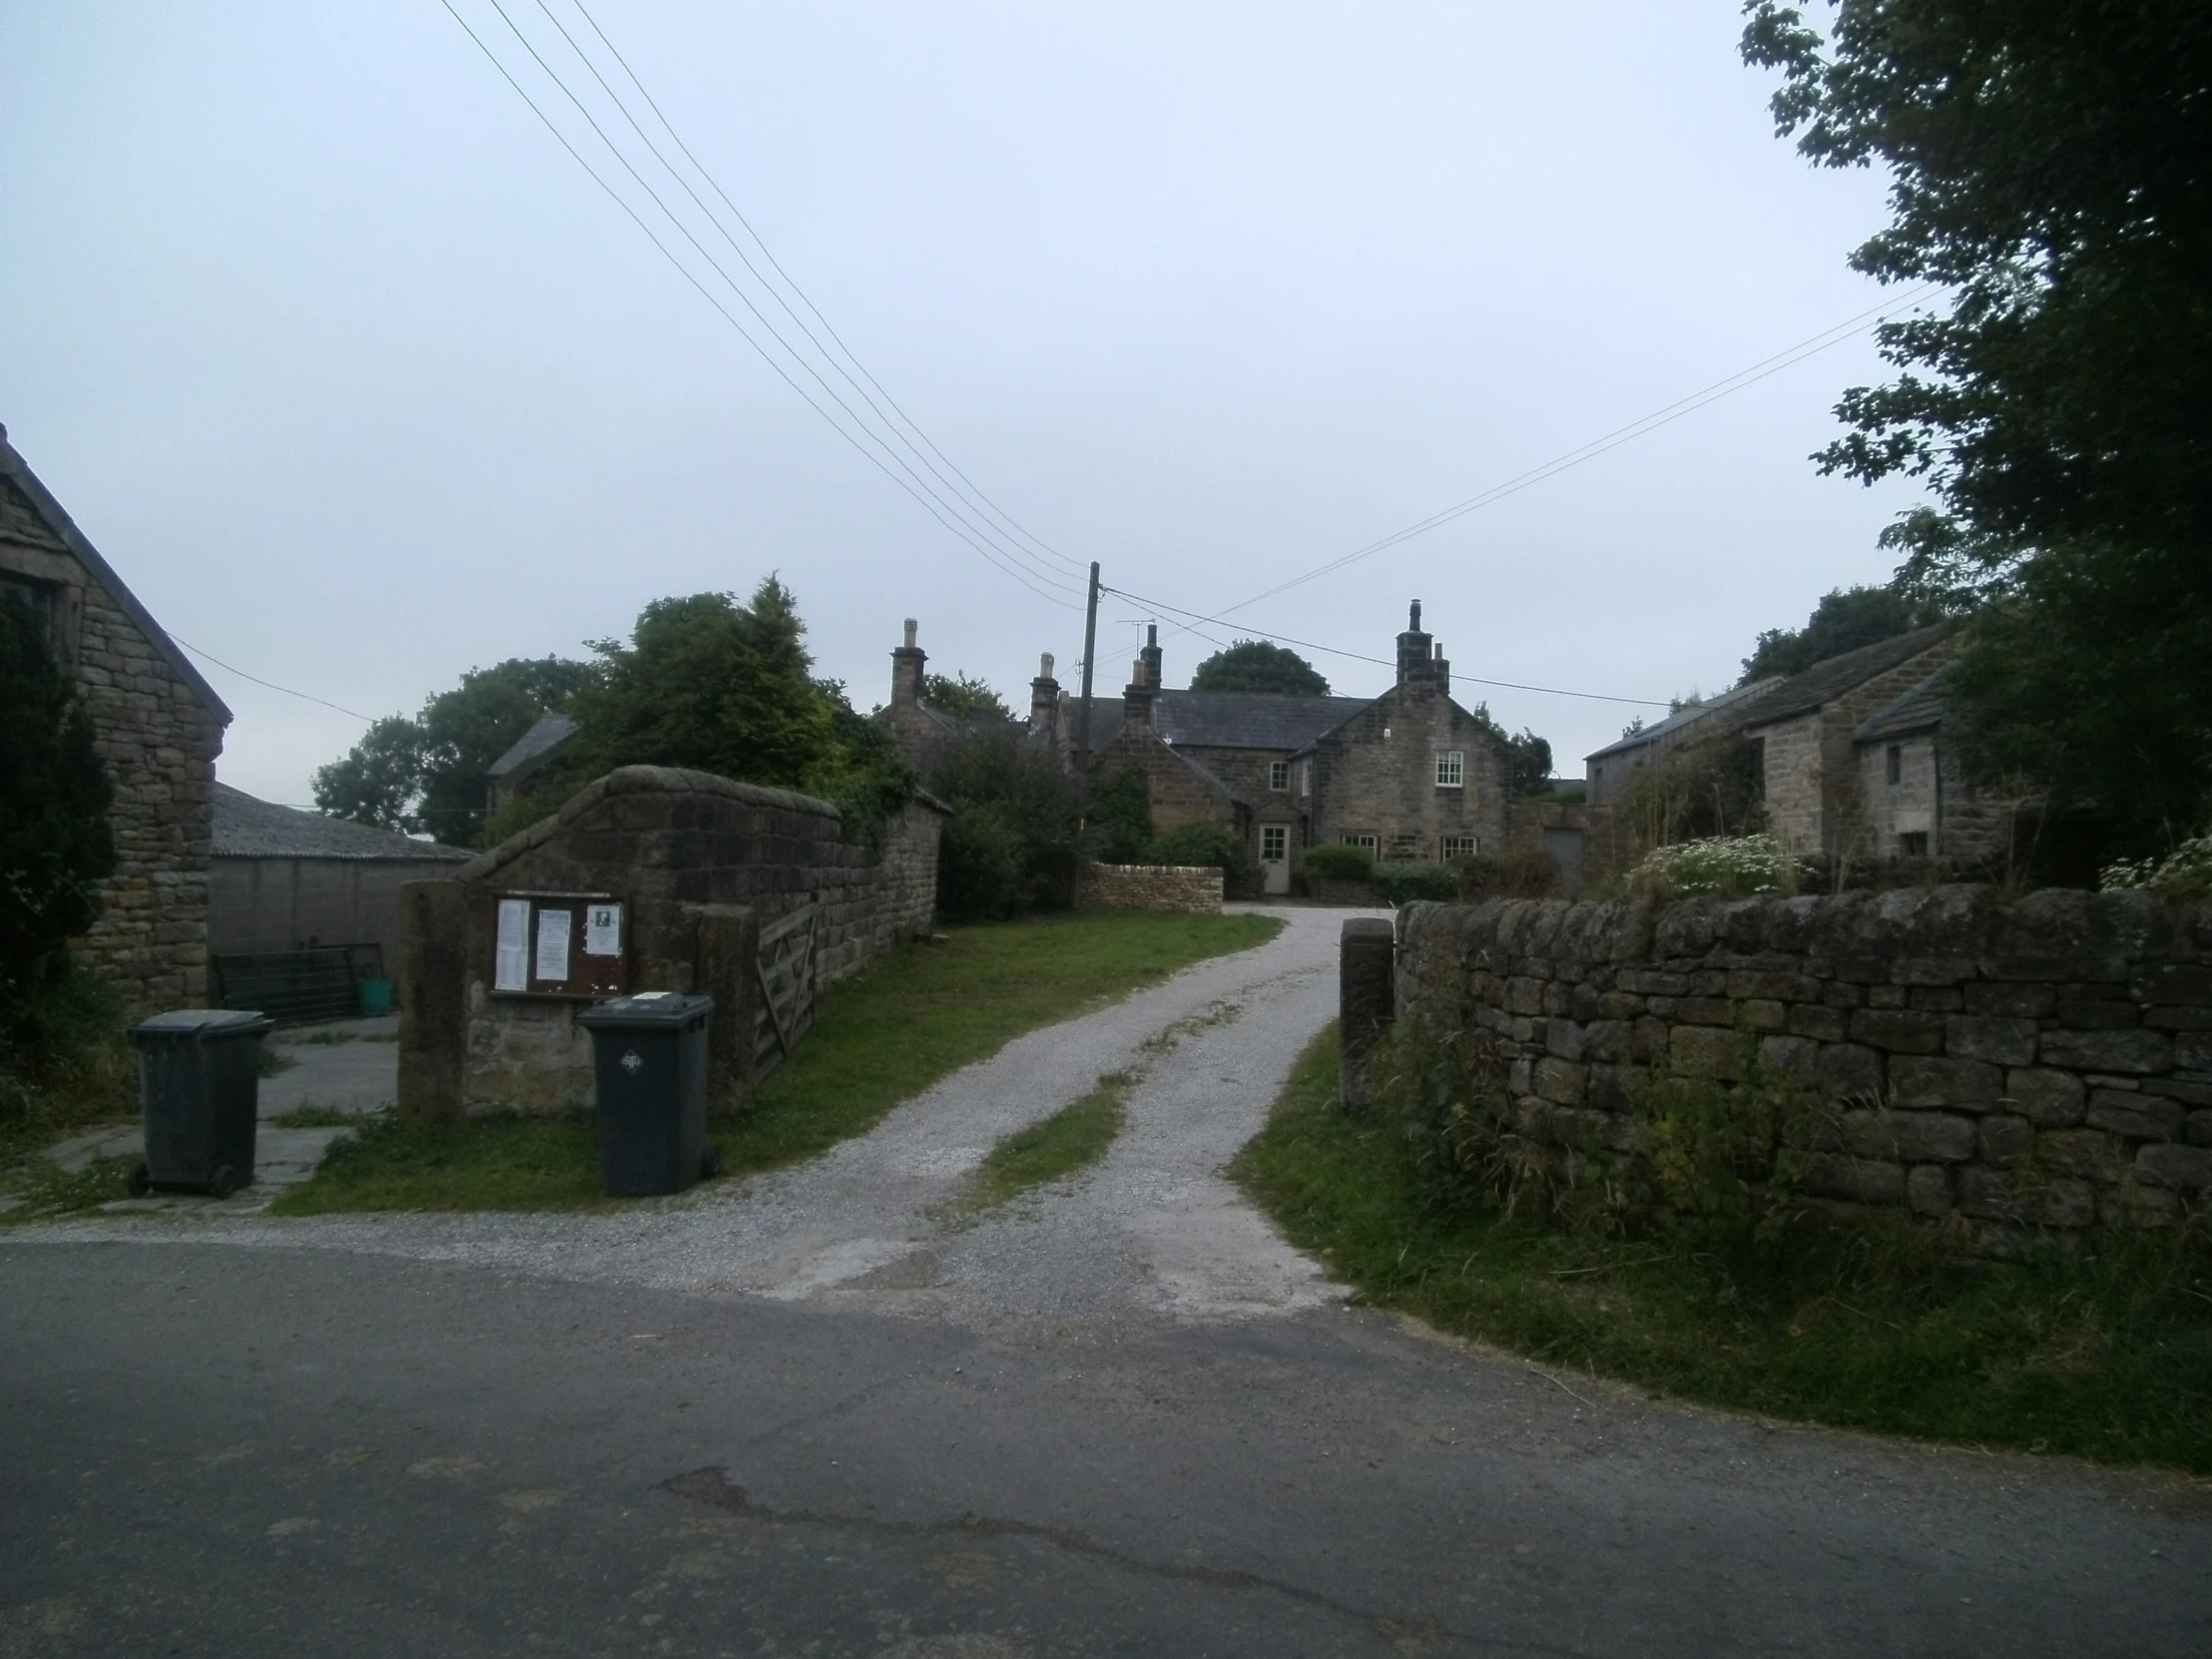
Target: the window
pixel 1894 764
pixel 1451 767
pixel 1458 846
pixel 1304 777
pixel 1275 842
pixel 36 597
pixel 1913 844
pixel 1279 774
pixel 1367 842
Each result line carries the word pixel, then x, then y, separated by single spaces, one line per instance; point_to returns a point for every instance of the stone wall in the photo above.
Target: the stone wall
pixel 159 730
pixel 2045 1061
pixel 1188 890
pixel 699 861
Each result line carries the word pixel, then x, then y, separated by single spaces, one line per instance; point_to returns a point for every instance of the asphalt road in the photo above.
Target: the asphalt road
pixel 1060 1434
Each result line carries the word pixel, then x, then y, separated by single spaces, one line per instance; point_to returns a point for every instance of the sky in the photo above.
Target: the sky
pixel 359 380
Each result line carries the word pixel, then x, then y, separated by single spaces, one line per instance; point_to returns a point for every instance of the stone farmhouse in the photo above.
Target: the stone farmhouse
pixel 1408 775
pixel 159 726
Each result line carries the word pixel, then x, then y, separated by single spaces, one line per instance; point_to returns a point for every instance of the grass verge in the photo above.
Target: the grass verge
pixel 2104 1351
pixel 46 1192
pixel 312 1117
pixel 922 1014
pixel 1073 1138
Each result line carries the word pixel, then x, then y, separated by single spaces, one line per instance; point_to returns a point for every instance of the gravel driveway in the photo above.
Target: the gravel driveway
pixel 1152 1231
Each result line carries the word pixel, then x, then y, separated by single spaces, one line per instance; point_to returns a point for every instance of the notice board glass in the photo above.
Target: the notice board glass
pixel 560 944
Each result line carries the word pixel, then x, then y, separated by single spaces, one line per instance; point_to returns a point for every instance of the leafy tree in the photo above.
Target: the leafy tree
pixel 427 774
pixel 1010 844
pixel 1531 762
pixel 2049 168
pixel 1843 620
pixel 962 697
pixel 1121 816
pixel 708 683
pixel 1259 665
pixel 55 843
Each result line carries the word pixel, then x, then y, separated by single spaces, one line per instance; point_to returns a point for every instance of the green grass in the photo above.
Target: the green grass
pixel 1073 1138
pixel 312 1117
pixel 922 1014
pixel 2105 1352
pixel 46 1192
pixel 275 1060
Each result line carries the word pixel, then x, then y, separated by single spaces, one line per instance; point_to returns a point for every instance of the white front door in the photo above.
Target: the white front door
pixel 1275 856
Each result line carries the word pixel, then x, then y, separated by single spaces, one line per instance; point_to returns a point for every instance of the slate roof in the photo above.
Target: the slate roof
pixel 1918 710
pixel 1731 701
pixel 249 828
pixel 18 474
pixel 1226 719
pixel 546 734
pixel 1825 682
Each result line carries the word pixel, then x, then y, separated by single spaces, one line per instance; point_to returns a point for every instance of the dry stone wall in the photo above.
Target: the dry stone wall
pixel 2043 1061
pixel 1188 890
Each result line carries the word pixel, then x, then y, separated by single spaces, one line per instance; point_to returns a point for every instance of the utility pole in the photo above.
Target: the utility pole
pixel 1083 711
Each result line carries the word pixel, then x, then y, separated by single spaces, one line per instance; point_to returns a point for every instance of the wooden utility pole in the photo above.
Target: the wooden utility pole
pixel 1083 711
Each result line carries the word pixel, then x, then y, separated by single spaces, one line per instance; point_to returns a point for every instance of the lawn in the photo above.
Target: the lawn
pixel 922 1014
pixel 2104 1352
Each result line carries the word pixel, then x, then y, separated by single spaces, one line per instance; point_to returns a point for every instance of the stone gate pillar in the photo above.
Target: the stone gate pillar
pixel 1365 1003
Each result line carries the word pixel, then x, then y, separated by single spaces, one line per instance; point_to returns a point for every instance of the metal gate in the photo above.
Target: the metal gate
pixel 786 970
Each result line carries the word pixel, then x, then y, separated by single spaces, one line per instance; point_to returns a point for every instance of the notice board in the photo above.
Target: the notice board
pixel 560 944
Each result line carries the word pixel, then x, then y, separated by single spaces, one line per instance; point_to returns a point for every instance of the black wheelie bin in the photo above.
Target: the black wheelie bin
pixel 200 1075
pixel 649 1058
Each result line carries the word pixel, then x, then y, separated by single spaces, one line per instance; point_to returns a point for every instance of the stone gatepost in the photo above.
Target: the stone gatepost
pixel 432 992
pixel 1365 1003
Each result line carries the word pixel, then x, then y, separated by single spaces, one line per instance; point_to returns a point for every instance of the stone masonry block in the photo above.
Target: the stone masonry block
pixel 1866 1180
pixel 1561 1081
pixel 2003 1042
pixel 1932 971
pixel 1928 1188
pixel 2193 1051
pixel 1705 1051
pixel 2134 1052
pixel 1796 1058
pixel 1922 1081
pixel 1565 1038
pixel 2140 1116
pixel 2001 1195
pixel 2100 1014
pixel 2051 1099
pixel 1604 1040
pixel 2200 1129
pixel 1898 1030
pixel 2004 1140
pixel 2088 1153
pixel 1933 1137
pixel 2165 1164
pixel 1845 1069
pixel 1704 1010
pixel 1772 985
pixel 1827 1026
pixel 2168 985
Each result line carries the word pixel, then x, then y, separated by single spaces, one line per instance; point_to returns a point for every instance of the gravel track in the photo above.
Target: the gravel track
pixel 1152 1233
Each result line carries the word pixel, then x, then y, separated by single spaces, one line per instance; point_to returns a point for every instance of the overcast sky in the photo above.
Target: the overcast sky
pixel 361 381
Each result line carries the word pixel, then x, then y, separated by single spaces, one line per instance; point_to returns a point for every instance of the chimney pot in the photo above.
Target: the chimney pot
pixel 914 629
pixel 1413 626
pixel 1044 665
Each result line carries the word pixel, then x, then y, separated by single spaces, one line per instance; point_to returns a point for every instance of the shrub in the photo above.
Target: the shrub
pixel 1396 884
pixel 1010 845
pixel 1121 817
pixel 1511 873
pixel 1734 865
pixel 1336 862
pixel 2183 876
pixel 982 863
pixel 1212 844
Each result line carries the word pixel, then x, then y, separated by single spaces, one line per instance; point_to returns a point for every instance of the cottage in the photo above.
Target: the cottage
pixel 159 728
pixel 1608 774
pixel 1914 798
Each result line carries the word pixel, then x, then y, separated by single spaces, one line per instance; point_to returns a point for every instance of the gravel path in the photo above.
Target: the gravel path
pixel 1152 1233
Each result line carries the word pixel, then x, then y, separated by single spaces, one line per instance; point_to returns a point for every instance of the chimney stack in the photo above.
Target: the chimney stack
pixel 1144 680
pixel 1415 664
pixel 907 666
pixel 1044 702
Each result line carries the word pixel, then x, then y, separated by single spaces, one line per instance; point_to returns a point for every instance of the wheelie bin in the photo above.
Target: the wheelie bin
pixel 200 1074
pixel 649 1060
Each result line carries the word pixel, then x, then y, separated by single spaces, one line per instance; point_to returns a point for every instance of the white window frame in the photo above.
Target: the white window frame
pixel 1279 776
pixel 1371 843
pixel 1277 836
pixel 1451 768
pixel 1450 847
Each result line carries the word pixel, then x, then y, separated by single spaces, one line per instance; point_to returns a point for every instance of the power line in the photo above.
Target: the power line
pixel 1663 417
pixel 1361 657
pixel 928 504
pixel 983 502
pixel 270 684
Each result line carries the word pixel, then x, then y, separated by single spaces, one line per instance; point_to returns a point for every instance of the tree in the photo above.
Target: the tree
pixel 2049 167
pixel 1010 844
pixel 962 697
pixel 1531 762
pixel 55 843
pixel 1843 620
pixel 1259 665
pixel 427 774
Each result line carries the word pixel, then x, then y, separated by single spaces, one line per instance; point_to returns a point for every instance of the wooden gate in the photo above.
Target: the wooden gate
pixel 785 969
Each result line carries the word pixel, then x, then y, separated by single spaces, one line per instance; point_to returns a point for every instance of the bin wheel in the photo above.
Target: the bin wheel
pixel 140 1181
pixel 709 1163
pixel 223 1182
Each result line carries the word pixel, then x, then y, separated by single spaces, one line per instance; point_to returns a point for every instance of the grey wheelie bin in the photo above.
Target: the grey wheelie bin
pixel 200 1074
pixel 649 1057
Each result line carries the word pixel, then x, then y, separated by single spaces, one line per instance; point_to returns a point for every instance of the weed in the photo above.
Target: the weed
pixel 1073 1138
pixel 44 1191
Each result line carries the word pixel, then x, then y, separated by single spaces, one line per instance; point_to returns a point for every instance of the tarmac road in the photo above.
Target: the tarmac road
pixel 794 1416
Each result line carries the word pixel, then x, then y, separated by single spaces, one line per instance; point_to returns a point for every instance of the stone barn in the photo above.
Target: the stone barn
pixel 159 725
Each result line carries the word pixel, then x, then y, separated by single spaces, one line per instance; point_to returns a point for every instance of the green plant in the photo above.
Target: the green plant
pixel 1401 883
pixel 1051 1149
pixel 1010 844
pixel 1732 866
pixel 2184 875
pixel 1336 861
pixel 1119 816
pixel 1259 665
pixel 1212 844
pixel 1512 872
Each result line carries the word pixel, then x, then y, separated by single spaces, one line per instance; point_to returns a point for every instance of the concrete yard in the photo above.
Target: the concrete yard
pixel 804 1413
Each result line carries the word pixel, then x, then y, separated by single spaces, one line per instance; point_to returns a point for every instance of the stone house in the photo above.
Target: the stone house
pixel 1914 798
pixel 1408 775
pixel 1608 773
pixel 918 726
pixel 159 728
pixel 1807 730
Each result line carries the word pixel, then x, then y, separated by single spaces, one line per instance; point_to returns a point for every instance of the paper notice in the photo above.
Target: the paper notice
pixel 602 930
pixel 510 968
pixel 553 931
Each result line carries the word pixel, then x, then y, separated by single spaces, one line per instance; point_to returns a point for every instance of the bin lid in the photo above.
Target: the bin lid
pixel 203 1022
pixel 651 1009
